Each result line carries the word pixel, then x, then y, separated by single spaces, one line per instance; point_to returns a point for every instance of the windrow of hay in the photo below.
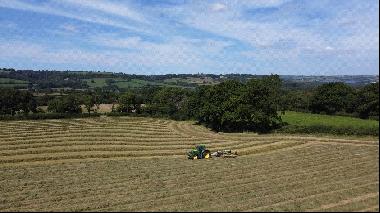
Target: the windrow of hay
pixel 139 164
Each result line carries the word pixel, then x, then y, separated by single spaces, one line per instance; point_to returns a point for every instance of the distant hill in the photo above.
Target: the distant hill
pixel 120 81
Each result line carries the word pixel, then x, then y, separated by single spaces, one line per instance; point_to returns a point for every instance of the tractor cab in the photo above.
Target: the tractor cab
pixel 200 152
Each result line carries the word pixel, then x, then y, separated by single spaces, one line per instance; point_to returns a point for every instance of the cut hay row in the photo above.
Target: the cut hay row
pixel 322 158
pixel 48 125
pixel 246 180
pixel 193 130
pixel 36 154
pixel 329 159
pixel 350 203
pixel 215 145
pixel 231 196
pixel 117 127
pixel 323 198
pixel 86 121
pixel 188 193
pixel 139 164
pixel 88 135
pixel 109 152
pixel 163 136
pixel 213 135
pixel 318 156
pixel 192 193
pixel 92 197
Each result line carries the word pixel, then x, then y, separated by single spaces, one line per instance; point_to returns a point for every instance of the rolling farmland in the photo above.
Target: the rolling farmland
pixel 139 164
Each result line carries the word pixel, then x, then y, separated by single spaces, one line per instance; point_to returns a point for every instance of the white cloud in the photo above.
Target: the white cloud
pixel 218 7
pixel 177 53
pixel 108 7
pixel 112 40
pixel 52 9
pixel 299 37
pixel 69 28
pixel 173 45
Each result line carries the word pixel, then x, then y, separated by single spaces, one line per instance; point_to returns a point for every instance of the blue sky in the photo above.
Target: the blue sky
pixel 294 37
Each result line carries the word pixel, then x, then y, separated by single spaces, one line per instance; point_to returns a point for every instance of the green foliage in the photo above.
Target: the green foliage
pixel 129 102
pixel 367 101
pixel 234 106
pixel 15 101
pixel 104 96
pixel 298 122
pixel 171 102
pixel 89 101
pixel 331 98
pixel 297 100
pixel 67 104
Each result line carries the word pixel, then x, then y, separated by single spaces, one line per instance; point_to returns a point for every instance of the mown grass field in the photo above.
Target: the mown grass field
pixel 315 123
pixel 139 164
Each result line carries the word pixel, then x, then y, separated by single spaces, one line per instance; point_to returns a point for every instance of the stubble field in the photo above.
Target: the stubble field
pixel 139 164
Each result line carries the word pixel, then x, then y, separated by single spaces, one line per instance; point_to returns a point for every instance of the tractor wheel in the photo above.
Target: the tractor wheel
pixel 207 154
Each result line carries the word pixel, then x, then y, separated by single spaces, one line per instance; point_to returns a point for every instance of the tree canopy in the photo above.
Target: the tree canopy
pixel 15 101
pixel 331 98
pixel 234 106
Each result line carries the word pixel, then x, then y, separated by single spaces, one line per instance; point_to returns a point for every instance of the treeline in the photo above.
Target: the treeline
pixel 336 99
pixel 15 101
pixel 229 106
pixel 49 81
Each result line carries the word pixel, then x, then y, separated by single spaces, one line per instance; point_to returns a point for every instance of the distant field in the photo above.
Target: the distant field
pixel 8 82
pixel 139 164
pixel 97 82
pixel 134 83
pixel 121 83
pixel 193 80
pixel 315 123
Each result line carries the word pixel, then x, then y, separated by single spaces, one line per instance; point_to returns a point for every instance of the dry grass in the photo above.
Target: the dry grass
pixel 139 164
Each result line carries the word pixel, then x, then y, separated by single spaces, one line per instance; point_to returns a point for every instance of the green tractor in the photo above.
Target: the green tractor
pixel 200 152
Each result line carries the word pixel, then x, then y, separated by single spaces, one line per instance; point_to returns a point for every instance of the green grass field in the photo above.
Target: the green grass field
pixel 8 82
pixel 139 164
pixel 98 82
pixel 315 123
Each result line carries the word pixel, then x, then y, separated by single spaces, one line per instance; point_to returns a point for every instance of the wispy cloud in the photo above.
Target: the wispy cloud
pixel 108 7
pixel 69 27
pixel 55 8
pixel 253 36
pixel 218 7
